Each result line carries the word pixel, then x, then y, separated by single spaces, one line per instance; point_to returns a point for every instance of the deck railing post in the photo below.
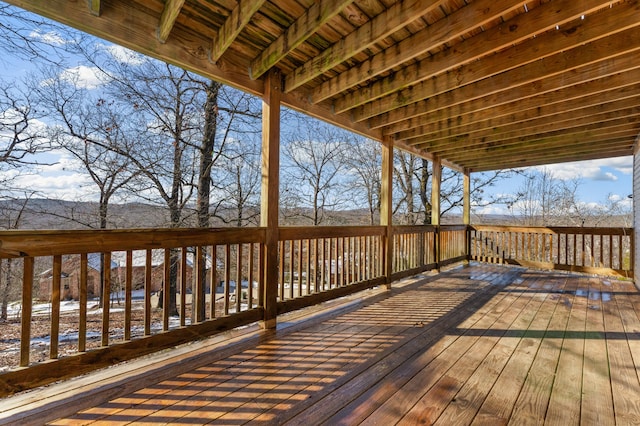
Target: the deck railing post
pixel 270 193
pixel 466 211
pixel 436 179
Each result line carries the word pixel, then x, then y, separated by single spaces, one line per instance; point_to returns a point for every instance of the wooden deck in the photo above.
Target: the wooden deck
pixel 476 345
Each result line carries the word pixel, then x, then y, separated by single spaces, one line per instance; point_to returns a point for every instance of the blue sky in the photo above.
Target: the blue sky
pixel 599 179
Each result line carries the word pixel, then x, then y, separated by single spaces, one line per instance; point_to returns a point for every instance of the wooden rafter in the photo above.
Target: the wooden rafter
pixel 502 91
pixel 168 18
pixel 479 84
pixel 514 31
pixel 304 27
pixel 233 26
pixel 549 122
pixel 394 18
pixel 443 31
pixel 551 71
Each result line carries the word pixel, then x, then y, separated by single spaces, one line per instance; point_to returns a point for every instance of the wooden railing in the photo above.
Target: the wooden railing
pixel 92 298
pixel 135 292
pixel 608 251
pixel 320 263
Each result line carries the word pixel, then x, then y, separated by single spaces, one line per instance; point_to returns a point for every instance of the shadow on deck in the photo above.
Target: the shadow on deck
pixel 481 344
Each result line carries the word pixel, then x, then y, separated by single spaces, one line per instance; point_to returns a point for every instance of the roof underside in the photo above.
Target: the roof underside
pixel 482 84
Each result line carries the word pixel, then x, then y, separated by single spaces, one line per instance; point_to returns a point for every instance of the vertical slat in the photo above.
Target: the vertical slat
pixel 183 287
pixel 27 305
pixel 322 264
pixel 214 280
pixel 261 274
pixel 198 292
pixel 308 266
pixel 166 289
pixel 610 251
pixel 82 321
pixel 239 278
pixel 106 297
pixel 128 289
pixel 316 265
pixel 54 336
pixel 620 244
pixel 282 270
pixel 299 268
pixel 227 277
pixel 250 278
pixel 148 269
pixel 292 247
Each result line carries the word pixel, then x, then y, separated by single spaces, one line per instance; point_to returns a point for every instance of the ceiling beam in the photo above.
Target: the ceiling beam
pixel 453 26
pixel 545 123
pixel 397 16
pixel 304 27
pixel 606 89
pixel 551 145
pixel 516 30
pixel 441 92
pixel 516 163
pixel 528 143
pixel 168 18
pixel 501 92
pixel 233 26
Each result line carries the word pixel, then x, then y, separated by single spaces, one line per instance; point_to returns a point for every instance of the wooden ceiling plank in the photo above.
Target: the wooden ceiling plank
pixel 544 123
pixel 514 31
pixel 607 89
pixel 440 94
pixel 168 18
pixel 303 28
pixel 520 163
pixel 441 107
pixel 621 146
pixel 238 19
pixel 557 144
pixel 453 26
pixel 95 7
pixel 470 149
pixel 397 16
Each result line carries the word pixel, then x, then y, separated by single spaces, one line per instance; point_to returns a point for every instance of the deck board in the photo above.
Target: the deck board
pixel 483 345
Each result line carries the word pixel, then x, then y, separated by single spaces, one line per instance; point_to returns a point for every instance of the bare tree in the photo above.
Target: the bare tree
pixel 363 158
pixel 312 155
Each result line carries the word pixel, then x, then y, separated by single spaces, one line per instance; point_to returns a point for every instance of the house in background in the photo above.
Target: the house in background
pixel 70 278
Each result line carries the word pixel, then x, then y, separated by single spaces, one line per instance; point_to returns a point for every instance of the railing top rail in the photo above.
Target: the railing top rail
pixel 412 229
pixel 49 243
pixel 555 229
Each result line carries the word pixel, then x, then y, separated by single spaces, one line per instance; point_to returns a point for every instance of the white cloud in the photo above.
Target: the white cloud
pixel 592 169
pixel 50 37
pixel 124 55
pixel 84 77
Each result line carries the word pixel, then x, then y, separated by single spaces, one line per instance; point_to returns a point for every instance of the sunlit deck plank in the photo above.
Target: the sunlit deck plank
pixel 597 401
pixel 499 403
pixel 467 402
pixel 452 348
pixel 565 401
pixel 531 405
pixel 624 374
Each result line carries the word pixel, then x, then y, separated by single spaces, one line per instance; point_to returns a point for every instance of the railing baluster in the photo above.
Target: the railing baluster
pixel 54 335
pixel 82 317
pixel 183 287
pixel 227 278
pixel 239 279
pixel 250 277
pixel 148 270
pixel 166 290
pixel 128 289
pixel 27 305
pixel 106 296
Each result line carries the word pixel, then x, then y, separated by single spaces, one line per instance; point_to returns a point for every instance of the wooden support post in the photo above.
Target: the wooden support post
pixel 436 179
pixel 386 208
pixel 466 211
pixel 270 192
